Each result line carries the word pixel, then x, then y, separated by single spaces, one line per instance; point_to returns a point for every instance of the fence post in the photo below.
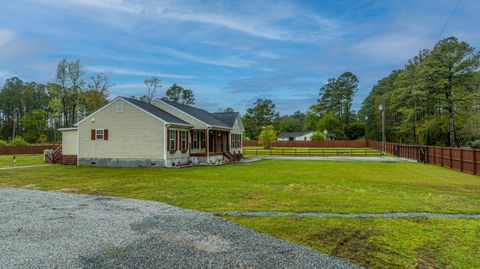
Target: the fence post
pixel 351 152
pixel 323 151
pixel 270 151
pixel 451 164
pixel 461 159
pixel 256 152
pixel 295 152
pixel 337 152
pixel 474 161
pixel 283 151
pixel 434 155
pixel 365 152
pixel 441 155
pixel 309 152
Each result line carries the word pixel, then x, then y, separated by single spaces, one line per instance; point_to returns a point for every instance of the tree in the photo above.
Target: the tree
pixel 318 136
pixel 354 130
pixel 261 115
pixel 180 95
pixel 450 70
pixel 229 109
pixel 267 136
pixel 292 123
pixel 96 94
pixel 153 84
pixel 35 124
pixel 337 96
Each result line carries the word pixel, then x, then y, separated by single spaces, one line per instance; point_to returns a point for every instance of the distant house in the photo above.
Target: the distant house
pixel 295 136
pixel 331 137
pixel 129 132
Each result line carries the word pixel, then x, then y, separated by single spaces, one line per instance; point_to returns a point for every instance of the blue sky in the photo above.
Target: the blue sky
pixel 229 52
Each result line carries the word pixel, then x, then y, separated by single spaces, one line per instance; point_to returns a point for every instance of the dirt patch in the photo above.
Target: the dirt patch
pixel 428 256
pixel 30 186
pixel 351 244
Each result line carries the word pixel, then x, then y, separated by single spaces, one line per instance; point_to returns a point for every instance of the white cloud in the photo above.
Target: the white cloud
pixel 134 72
pixel 270 21
pixel 229 61
pixel 393 47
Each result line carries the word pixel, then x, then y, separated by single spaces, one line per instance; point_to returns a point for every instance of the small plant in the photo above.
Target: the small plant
pixel 267 137
pixel 3 143
pixel 19 141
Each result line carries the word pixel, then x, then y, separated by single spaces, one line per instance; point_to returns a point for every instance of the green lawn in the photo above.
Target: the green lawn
pixel 303 186
pixel 272 186
pixel 26 159
pixel 381 242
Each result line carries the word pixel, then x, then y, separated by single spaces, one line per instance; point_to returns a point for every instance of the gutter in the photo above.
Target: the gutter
pixel 165 145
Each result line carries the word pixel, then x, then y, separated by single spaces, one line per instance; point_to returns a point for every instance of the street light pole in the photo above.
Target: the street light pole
pixel 381 107
pixel 366 136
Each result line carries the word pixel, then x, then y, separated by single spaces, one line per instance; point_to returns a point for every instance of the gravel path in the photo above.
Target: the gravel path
pixel 59 230
pixel 351 215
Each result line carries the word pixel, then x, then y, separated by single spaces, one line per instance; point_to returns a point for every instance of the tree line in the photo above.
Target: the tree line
pixel 32 112
pixel 433 100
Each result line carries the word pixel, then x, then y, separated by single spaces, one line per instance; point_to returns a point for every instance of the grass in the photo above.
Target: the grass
pixel 309 151
pixel 26 159
pixel 381 242
pixel 303 186
pixel 299 186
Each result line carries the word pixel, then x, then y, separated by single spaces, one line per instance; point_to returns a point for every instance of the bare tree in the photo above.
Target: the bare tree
pixel 152 84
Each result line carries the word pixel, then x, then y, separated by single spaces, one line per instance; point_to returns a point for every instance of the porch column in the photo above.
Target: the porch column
pixel 207 146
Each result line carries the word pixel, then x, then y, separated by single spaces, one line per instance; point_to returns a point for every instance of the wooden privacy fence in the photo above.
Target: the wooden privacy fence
pixel 461 159
pixel 313 144
pixel 12 150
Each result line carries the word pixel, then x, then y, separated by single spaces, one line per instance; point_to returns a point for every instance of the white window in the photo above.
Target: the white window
pixel 99 134
pixel 119 106
pixel 173 139
pixel 194 140
pixel 184 140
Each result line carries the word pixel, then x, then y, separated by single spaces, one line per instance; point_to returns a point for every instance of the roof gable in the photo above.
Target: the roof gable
pixel 292 134
pixel 145 107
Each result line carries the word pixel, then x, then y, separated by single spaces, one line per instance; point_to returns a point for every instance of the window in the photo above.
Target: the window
pixel 232 140
pixel 173 138
pixel 99 134
pixel 184 140
pixel 194 140
pixel 202 138
pixel 119 106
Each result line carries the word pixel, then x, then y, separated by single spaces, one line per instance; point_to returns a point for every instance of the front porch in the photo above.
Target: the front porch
pixel 209 143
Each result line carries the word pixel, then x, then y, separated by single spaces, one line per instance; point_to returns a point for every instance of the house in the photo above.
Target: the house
pixel 295 136
pixel 129 132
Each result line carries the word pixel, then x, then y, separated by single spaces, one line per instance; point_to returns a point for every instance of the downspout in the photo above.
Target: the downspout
pixel 165 145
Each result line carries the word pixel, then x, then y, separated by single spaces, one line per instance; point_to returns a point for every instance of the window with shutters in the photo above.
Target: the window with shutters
pixel 99 134
pixel 173 139
pixel 184 140
pixel 232 140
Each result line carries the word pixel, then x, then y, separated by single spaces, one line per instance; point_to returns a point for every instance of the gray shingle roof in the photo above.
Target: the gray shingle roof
pixel 226 117
pixel 292 134
pixel 156 111
pixel 203 115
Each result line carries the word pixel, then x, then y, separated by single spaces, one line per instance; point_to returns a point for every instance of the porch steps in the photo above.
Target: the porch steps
pixel 229 156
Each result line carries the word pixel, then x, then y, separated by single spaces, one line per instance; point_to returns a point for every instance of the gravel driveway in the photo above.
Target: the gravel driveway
pixel 51 229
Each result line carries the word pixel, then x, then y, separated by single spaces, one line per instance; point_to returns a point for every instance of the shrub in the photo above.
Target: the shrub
pixel 19 141
pixel 319 136
pixel 267 137
pixel 3 143
pixel 475 144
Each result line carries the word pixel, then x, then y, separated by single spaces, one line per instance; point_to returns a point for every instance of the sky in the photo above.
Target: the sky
pixel 230 53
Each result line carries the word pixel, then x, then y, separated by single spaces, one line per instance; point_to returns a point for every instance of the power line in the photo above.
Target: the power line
pixel 448 20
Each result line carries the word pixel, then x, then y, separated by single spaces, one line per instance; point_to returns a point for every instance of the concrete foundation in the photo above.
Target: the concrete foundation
pixel 120 162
